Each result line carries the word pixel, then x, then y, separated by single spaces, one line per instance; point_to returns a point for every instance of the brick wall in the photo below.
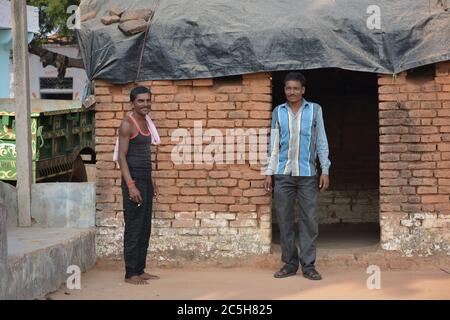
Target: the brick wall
pixel 204 210
pixel 414 118
pixel 349 206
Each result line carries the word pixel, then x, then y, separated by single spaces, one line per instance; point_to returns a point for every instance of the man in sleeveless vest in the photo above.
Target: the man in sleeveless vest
pixel 138 186
pixel 297 138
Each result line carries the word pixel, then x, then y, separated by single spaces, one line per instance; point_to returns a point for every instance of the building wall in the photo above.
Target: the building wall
pixel 37 71
pixel 415 161
pixel 204 210
pixel 221 210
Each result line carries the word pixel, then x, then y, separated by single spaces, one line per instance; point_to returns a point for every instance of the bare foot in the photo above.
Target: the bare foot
pixel 147 276
pixel 137 280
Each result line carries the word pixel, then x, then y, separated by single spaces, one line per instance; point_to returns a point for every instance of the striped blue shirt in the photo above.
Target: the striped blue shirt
pixel 296 140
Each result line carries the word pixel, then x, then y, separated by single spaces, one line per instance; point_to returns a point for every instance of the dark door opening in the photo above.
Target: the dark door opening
pixel 348 212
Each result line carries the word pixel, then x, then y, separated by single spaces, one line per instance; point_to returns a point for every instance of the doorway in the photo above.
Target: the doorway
pixel 348 211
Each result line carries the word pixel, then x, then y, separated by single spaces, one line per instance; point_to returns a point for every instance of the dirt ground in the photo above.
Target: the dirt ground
pixel 255 283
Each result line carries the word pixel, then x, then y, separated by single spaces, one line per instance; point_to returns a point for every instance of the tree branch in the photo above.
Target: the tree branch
pixel 57 60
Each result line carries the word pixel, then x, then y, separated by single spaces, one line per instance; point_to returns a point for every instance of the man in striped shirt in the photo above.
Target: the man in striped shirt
pixel 297 138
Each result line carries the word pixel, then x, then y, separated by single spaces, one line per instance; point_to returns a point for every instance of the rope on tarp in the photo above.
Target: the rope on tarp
pixel 147 29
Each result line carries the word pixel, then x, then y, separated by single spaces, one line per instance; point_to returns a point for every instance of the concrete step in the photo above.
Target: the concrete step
pixel 37 259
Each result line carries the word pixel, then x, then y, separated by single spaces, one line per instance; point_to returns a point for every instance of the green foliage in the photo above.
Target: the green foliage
pixel 53 18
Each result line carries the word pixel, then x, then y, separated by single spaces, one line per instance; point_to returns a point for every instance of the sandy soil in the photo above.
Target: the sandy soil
pixel 252 283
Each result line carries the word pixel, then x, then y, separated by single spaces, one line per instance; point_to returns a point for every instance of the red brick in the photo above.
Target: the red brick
pixel 108 174
pixel 104 148
pixel 184 207
pixel 257 89
pixel 108 107
pixel 442 173
pixel 422 113
pixel 205 199
pixel 196 115
pixel 422 173
pixel 431 105
pixel 435 199
pixel 113 123
pixel 444 182
pixel 444 146
pixel 225 200
pixel 422 96
pixel 203 82
pixel 421 147
pixel 176 115
pixel 256 106
pixel 221 106
pixel 443 164
pixel 393 97
pixel 221 97
pixel 389 174
pixel 220 123
pixel 103 99
pixel 243 208
pixel 444 95
pixel 241 97
pixel 164 106
pixel 444 113
pixel 390 157
pixel 257 123
pixel 427 190
pixel 422 181
pixel 183 82
pixel 184 98
pixel 238 115
pixel 162 83
pixel 243 223
pixel 168 89
pixel 218 191
pixel 431 138
pixel 227 183
pixel 164 198
pixel 214 207
pixel 217 114
pixel 254 192
pixel 388 89
pixel 388 105
pixel 393 182
pixel 169 190
pixel 422 165
pixel 423 130
pixel 193 191
pixel 183 223
pixel 211 97
pixel 260 114
pixel 218 174
pixel 164 98
pixel 389 138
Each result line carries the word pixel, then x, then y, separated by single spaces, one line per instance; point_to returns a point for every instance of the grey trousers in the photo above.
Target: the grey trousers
pixel 286 189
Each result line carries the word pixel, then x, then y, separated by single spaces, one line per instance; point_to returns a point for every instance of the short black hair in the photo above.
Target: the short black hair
pixel 138 90
pixel 295 76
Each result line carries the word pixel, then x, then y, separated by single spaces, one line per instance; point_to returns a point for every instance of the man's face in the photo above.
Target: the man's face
pixel 142 103
pixel 294 91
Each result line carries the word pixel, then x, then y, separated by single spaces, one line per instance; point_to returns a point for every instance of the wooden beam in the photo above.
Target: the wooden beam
pixel 23 107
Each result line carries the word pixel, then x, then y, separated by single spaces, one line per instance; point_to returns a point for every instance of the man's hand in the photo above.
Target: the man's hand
pixel 324 183
pixel 268 184
pixel 135 194
pixel 155 189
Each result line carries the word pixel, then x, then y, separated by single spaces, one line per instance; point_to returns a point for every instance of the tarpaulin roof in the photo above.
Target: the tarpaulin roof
pixel 213 38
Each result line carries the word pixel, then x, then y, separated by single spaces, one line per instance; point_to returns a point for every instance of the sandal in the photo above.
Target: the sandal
pixel 285 272
pixel 312 274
